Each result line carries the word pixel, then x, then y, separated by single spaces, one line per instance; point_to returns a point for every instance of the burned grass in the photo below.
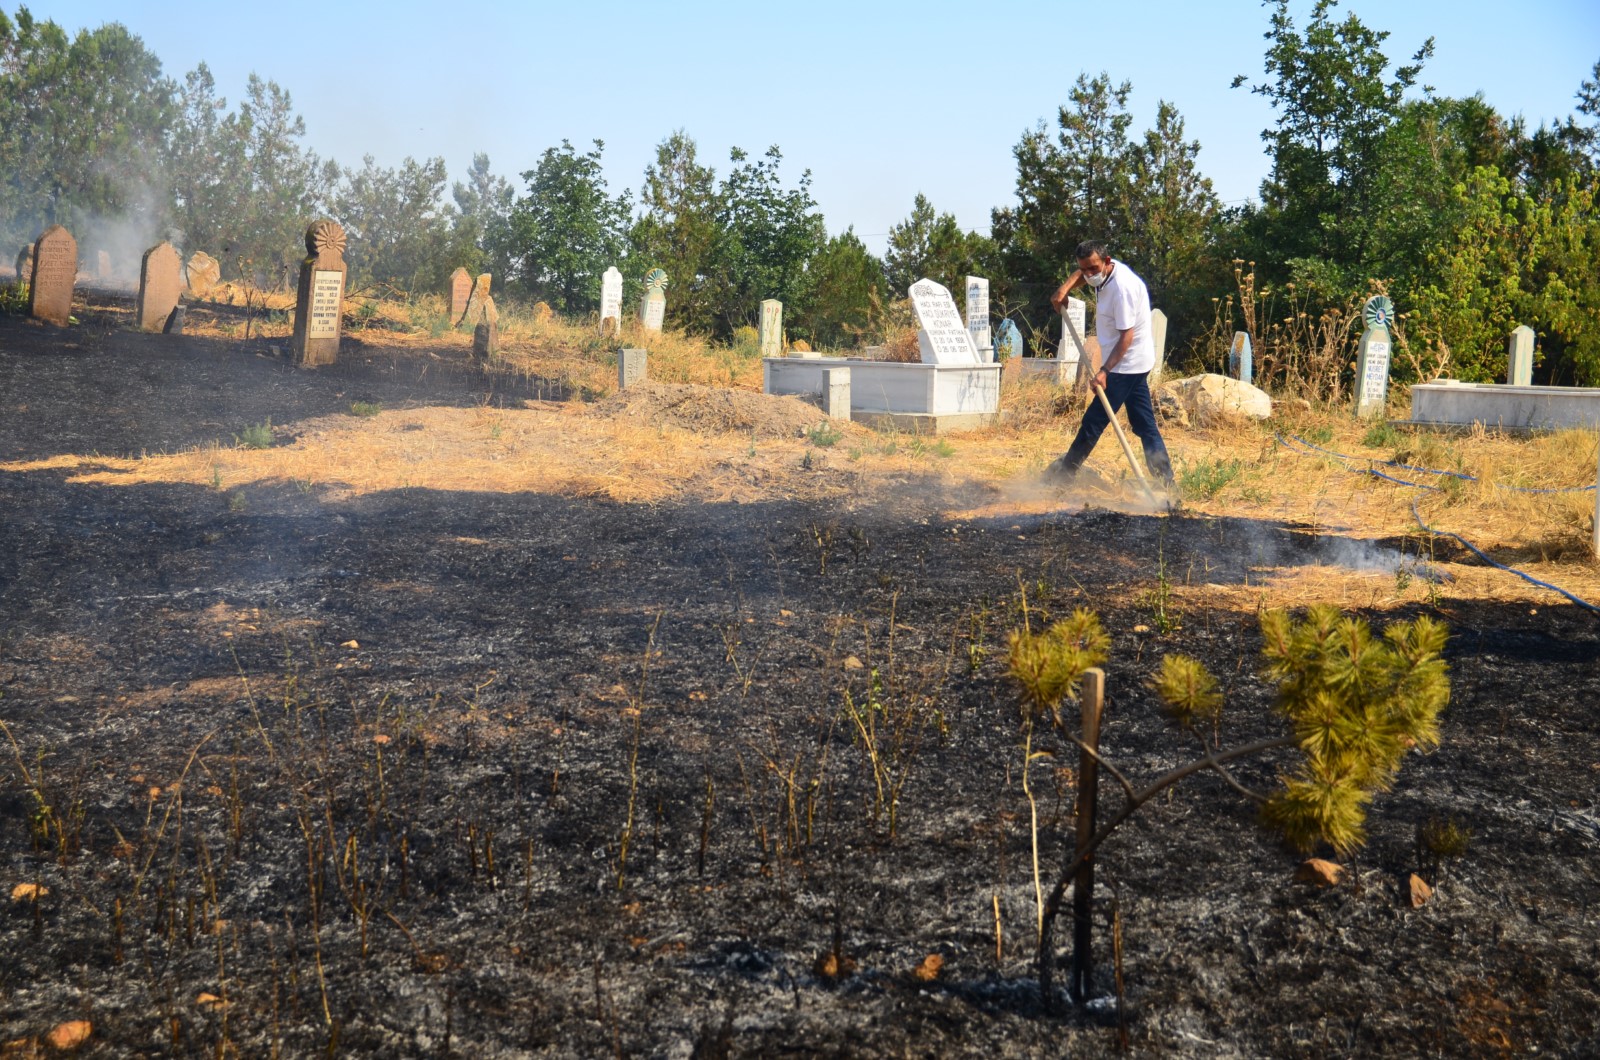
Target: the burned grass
pixel 500 766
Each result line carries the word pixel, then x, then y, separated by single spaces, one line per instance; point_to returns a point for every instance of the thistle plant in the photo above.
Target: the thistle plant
pixel 1356 703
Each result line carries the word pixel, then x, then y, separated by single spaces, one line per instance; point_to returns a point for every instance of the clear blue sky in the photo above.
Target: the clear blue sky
pixel 878 100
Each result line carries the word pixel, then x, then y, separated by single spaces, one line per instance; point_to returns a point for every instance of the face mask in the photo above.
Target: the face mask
pixel 1096 281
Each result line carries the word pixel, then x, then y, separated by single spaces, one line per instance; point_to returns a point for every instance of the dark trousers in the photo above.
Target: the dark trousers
pixel 1134 392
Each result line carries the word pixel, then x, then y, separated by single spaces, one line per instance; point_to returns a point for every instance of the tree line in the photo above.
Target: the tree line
pixel 1471 221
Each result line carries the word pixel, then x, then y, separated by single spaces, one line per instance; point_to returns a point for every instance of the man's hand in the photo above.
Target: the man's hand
pixel 1099 381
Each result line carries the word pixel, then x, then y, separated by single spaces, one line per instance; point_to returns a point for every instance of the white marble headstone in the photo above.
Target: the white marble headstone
pixel 944 337
pixel 1073 312
pixel 771 333
pixel 978 311
pixel 611 300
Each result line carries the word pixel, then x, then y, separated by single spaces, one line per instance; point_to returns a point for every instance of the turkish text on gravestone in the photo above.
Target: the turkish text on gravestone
pixel 327 290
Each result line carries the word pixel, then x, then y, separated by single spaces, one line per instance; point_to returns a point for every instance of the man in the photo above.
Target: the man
pixel 1122 323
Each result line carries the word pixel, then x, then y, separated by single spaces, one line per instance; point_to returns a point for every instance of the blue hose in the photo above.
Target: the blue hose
pixel 1475 550
pixel 1431 471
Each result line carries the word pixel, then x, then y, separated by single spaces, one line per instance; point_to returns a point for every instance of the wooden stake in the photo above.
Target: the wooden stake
pixel 1080 985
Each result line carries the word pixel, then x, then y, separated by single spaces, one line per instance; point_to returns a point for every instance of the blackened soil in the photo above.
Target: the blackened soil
pixel 497 775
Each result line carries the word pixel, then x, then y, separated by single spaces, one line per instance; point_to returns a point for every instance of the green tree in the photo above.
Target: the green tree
pixel 844 297
pixel 767 234
pixel 1172 216
pixel 678 230
pixel 398 226
pixel 207 164
pixel 932 245
pixel 567 230
pixel 1334 105
pixel 82 127
pixel 480 237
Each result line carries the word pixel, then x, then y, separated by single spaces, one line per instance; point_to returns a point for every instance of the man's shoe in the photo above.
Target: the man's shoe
pixel 1057 473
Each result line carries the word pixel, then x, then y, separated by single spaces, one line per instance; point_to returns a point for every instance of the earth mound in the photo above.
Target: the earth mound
pixel 706 410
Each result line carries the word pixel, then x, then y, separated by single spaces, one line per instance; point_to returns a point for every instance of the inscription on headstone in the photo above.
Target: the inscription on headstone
pixel 944 338
pixel 611 302
pixel 1372 365
pixel 836 393
pixel 55 272
pixel 204 274
pixel 1519 357
pixel 319 305
pixel 1240 361
pixel 632 366
pixel 160 280
pixel 978 315
pixel 1158 338
pixel 653 308
pixel 460 289
pixel 771 328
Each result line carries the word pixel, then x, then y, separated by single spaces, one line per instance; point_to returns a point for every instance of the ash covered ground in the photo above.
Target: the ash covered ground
pixel 425 772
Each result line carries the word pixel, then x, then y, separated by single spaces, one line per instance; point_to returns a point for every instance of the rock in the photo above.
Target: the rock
pixel 1319 873
pixel 1210 396
pixel 210 1001
pixel 205 272
pixel 1420 891
pixel 800 346
pixel 67 1036
pixel 852 663
pixel 28 892
pixel 542 313
pixel 832 965
pixel 929 969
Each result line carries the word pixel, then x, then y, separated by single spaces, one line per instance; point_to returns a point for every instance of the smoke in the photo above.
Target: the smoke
pixel 111 247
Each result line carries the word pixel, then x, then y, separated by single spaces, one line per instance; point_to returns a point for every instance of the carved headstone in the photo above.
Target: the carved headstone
pixel 653 307
pixel 25 263
pixel 943 338
pixel 1372 366
pixel 1073 313
pixel 542 313
pixel 55 272
pixel 771 328
pixel 473 314
pixel 1009 343
pixel 460 288
pixel 1158 338
pixel 836 393
pixel 1519 357
pixel 611 302
pixel 204 274
pixel 319 306
pixel 1240 360
pixel 160 281
pixel 978 316
pixel 632 367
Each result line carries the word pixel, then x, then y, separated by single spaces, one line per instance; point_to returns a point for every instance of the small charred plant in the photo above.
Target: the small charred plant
pixel 1356 703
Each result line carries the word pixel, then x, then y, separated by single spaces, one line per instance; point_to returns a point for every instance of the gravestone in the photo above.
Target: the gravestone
pixel 174 324
pixel 460 288
pixel 472 316
pixel 205 272
pixel 55 271
pixel 1009 343
pixel 1158 339
pixel 978 317
pixel 1074 313
pixel 25 263
pixel 542 313
pixel 653 307
pixel 1372 365
pixel 1240 360
pixel 611 302
pixel 1519 357
pixel 319 305
pixel 836 393
pixel 771 339
pixel 160 281
pixel 102 266
pixel 943 338
pixel 632 367
pixel 486 339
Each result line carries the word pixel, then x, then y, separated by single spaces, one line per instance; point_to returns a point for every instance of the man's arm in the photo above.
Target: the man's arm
pixel 1124 340
pixel 1066 289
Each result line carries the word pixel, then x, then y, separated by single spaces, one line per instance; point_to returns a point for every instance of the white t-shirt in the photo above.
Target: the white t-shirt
pixel 1123 302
